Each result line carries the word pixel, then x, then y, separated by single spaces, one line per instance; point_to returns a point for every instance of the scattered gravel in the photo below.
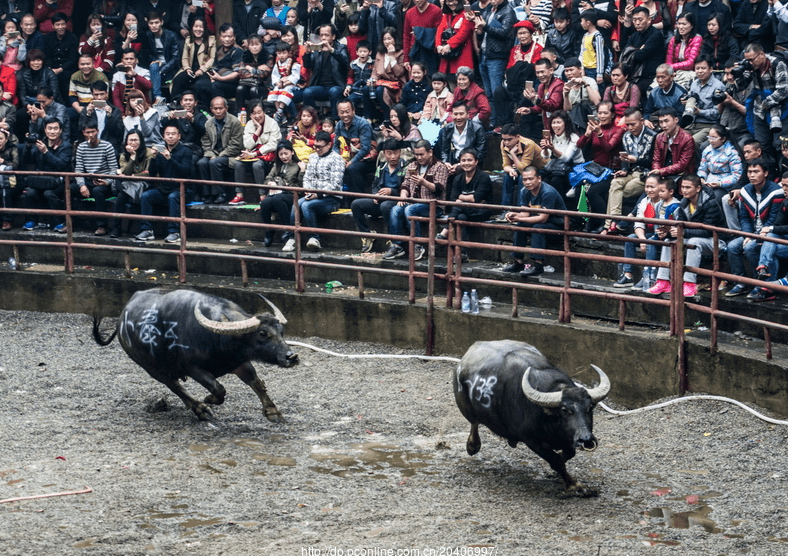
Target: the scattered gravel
pixel 372 456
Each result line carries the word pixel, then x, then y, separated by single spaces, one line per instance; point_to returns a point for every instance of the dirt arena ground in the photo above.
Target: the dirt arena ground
pixel 371 461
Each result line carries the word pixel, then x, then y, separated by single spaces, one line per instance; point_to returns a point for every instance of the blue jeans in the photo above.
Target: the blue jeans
pixel 538 241
pixel 317 93
pixel 398 219
pixel 311 209
pixel 511 190
pixel 737 252
pixel 770 252
pixel 154 197
pixel 155 79
pixel 493 72
pixel 631 248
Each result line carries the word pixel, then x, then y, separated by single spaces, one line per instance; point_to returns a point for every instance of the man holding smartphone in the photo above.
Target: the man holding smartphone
pixel 103 115
pixel 129 76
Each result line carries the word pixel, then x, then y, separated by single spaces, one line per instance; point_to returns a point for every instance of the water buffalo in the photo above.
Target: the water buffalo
pixel 183 333
pixel 512 388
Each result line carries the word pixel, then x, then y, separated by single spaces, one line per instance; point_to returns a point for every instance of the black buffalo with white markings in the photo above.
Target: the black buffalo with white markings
pixel 512 389
pixel 175 334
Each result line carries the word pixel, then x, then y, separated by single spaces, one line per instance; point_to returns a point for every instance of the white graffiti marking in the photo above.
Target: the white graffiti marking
pixel 170 334
pixel 484 389
pixel 125 326
pixel 149 332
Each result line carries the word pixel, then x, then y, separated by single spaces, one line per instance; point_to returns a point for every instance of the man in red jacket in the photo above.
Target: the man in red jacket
pixel 674 149
pixel 548 97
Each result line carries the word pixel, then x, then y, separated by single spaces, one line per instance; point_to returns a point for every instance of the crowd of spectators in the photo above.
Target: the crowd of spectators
pixel 684 102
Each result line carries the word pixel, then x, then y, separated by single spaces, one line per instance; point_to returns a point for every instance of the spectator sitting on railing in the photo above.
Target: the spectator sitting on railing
pixel 173 161
pixel 770 252
pixel 9 185
pixel 426 179
pixel 324 172
pixel 647 207
pixel 471 186
pixel 108 120
pixel 636 157
pixel 95 156
pixel 286 171
pixel 760 205
pixel 534 194
pixel 134 161
pixel 698 205
pixel 51 154
pixel 388 179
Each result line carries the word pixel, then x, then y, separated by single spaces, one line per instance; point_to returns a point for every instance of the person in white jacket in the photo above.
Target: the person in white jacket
pixel 261 136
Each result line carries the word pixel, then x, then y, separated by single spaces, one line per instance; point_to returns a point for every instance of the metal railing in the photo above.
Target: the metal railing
pixel 453 275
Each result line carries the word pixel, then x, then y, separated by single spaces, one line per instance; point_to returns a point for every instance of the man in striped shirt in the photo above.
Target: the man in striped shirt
pixel 95 156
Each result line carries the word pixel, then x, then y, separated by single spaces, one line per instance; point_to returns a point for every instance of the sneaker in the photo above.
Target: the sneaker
pixel 514 266
pixel 418 252
pixel 289 245
pixel 30 226
pixel 100 231
pixel 499 218
pixel 532 270
pixel 44 226
pixel 761 294
pixel 396 251
pixel 738 289
pixel 624 282
pixel 782 281
pixel 115 233
pixel 690 289
pixel 367 244
pixel 313 243
pixel 174 237
pixel 7 225
pixel 238 200
pixel 662 286
pixel 60 228
pixel 145 235
pixel 641 286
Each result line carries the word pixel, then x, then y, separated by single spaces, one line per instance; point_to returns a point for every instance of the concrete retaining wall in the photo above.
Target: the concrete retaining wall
pixel 642 365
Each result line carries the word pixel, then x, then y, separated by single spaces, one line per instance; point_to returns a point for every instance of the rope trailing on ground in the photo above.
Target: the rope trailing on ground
pixel 602 405
pixel 86 491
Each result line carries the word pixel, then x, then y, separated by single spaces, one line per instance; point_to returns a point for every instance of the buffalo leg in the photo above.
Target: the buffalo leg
pixel 474 443
pixel 217 391
pixel 247 373
pixel 556 461
pixel 202 411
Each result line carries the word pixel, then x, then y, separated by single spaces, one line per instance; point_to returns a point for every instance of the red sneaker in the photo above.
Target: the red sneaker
pixel 690 289
pixel 237 200
pixel 662 286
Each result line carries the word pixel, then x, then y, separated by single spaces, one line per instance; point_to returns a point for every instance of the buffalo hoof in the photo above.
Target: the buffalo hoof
pixel 202 411
pixel 213 400
pixel 581 491
pixel 273 415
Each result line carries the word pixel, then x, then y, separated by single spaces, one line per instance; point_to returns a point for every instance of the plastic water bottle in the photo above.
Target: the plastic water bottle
pixel 372 94
pixel 466 303
pixel 474 302
pixel 242 116
pixel 12 263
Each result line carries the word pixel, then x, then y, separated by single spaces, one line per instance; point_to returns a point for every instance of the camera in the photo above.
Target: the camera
pixel 32 138
pixel 742 73
pixel 122 69
pixel 718 96
pixel 688 117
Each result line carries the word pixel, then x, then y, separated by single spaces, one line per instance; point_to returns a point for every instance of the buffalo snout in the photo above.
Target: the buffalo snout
pixel 586 442
pixel 291 359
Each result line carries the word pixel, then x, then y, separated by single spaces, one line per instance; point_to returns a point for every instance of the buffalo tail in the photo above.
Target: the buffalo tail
pixel 97 334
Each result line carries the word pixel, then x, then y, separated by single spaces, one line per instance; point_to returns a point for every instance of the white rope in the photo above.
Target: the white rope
pixel 602 405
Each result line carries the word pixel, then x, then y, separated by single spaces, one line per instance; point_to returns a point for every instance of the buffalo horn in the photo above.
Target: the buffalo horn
pixel 600 392
pixel 277 313
pixel 542 399
pixel 233 327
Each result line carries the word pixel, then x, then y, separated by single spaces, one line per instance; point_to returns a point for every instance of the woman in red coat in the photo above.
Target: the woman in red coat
pixel 453 38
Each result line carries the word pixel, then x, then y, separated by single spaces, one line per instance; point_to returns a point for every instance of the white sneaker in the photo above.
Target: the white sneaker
pixel 289 246
pixel 313 243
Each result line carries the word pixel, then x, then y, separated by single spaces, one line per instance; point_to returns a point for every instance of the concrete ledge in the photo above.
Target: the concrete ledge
pixel 641 365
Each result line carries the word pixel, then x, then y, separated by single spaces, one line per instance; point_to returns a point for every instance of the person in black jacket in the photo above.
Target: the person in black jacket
pixel 329 67
pixel 751 24
pixel 192 125
pixel 60 48
pixel 648 47
pixel 471 185
pixel 699 204
pixel 719 45
pixel 52 154
pixel 107 119
pixel 172 161
pixel 247 21
pixel 167 48
pixel 494 33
